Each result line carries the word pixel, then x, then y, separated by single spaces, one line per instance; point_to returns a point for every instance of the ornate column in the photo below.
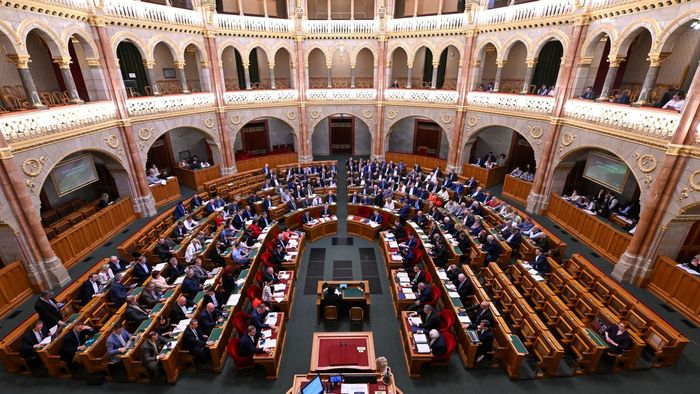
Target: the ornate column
pixel 433 80
pixel 655 60
pixel 638 260
pixel 499 72
pixel 22 64
pixel 463 84
pixel 205 77
pixel 378 146
pixel 272 76
pixel 246 74
pixel 304 136
pixel 306 77
pixel 293 77
pixel 529 74
pixel 610 76
pixel 352 74
pixel 46 270
pixel 475 74
pixel 329 75
pixel 64 65
pixel 180 67
pixel 151 72
pixel 409 75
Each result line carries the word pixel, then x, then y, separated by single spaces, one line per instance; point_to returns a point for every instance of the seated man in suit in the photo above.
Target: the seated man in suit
pixel 264 220
pixel 491 248
pixel 292 205
pixel 437 343
pixel 117 264
pixel 425 295
pixel 418 276
pixel 191 285
pixel 181 310
pixel 49 310
pixel 209 318
pixel 306 217
pixel 73 342
pixel 399 231
pixel 150 354
pixel 257 318
pixel 149 297
pixel 430 318
pixel 540 262
pixel 179 232
pixel 116 343
pixel 31 343
pixel 330 297
pixel 270 276
pixel 464 287
pixel 480 312
pixel 142 270
pixel 163 249
pixel 216 298
pixel 514 238
pixel 486 338
pixel 195 342
pixel 134 313
pixel 89 289
pixel 247 347
pixel 376 217
pixel 118 292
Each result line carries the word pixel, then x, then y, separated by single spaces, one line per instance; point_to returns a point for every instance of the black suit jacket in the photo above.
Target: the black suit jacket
pixel 247 348
pixel 220 301
pixel 86 292
pixel 190 341
pixel 540 264
pixel 430 322
pixel 207 321
pixel 140 274
pixel 47 313
pixel 439 347
pixel 464 290
pixel 135 315
pixel 482 315
pixel 176 313
pixel 71 342
pixel 28 341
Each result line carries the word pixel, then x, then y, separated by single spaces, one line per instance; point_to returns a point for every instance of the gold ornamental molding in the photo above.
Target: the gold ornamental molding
pixel 472 121
pixel 25 145
pixel 236 119
pixel 113 142
pixel 32 167
pixel 566 140
pixel 683 150
pixel 645 163
pixel 209 123
pixel 6 153
pixel 536 133
pixel 694 180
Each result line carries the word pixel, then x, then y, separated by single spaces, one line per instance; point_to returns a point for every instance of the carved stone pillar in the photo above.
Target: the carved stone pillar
pixel 152 80
pixel 272 76
pixel 64 66
pixel 655 61
pixel 352 75
pixel 529 74
pixel 246 73
pixel 22 64
pixel 329 76
pixel 433 80
pixel 499 73
pixel 205 77
pixel 610 77
pixel 409 75
pixel 180 67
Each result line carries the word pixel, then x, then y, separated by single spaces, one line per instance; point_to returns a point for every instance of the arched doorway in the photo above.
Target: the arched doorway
pixel 132 69
pixel 264 136
pixel 258 69
pixel 497 141
pixel 180 146
pixel 283 74
pixel 448 70
pixel 232 69
pixel 399 69
pixel 166 75
pixel 485 73
pixel 548 65
pixel 47 74
pixel 418 136
pixel 513 71
pixel 341 134
pixel 317 71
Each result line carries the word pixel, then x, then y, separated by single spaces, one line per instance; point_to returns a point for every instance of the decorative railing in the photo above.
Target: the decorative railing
pixel 137 10
pixel 28 125
pixel 253 24
pixel 650 122
pixel 422 96
pixel 172 103
pixel 512 102
pixel 543 9
pixel 428 23
pixel 341 94
pixel 261 96
pixel 340 26
pixel 81 5
pixel 602 4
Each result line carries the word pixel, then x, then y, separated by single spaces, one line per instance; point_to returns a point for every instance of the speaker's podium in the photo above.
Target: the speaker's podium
pixel 347 383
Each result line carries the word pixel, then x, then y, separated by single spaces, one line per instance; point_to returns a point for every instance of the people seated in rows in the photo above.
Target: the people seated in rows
pixel 150 296
pixel 117 343
pixel 151 356
pixel 194 163
pixel 429 318
pixel 479 312
pixel 486 335
pixel 134 313
pixel 74 342
pixel 32 341
pixel 437 343
pixel 589 94
pixel 160 281
pixel 620 97
pixel 196 342
pixel 181 310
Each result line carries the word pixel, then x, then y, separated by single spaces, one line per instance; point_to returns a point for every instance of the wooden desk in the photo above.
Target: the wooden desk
pixel 15 286
pixel 403 299
pixel 390 251
pixel 284 303
pixel 355 294
pixel 321 227
pixel 605 239
pixel 272 362
pixel 194 179
pixel 414 360
pixel 516 189
pixel 294 253
pixel 164 194
pixel 410 159
pixel 363 228
pixel 301 380
pixel 677 287
pixel 257 163
pixel 487 177
pixel 338 351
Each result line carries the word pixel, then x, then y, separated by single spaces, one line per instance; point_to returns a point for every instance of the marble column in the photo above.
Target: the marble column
pixel 307 81
pixel 22 64
pixel 650 79
pixel 329 76
pixel 352 76
pixel 205 77
pixel 246 73
pixel 293 78
pixel 499 73
pixel 433 80
pixel 409 75
pixel 180 68
pixel 64 65
pixel 610 77
pixel 272 76
pixel 151 71
pixel 529 74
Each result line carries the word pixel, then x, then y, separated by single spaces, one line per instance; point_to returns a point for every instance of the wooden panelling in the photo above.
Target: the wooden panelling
pixel 195 178
pixel 164 194
pixel 14 286
pixel 487 177
pixel 409 159
pixel 257 163
pixel 74 244
pixel 677 287
pixel 605 239
pixel 516 189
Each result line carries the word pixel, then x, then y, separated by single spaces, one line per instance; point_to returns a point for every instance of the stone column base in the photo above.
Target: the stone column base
pixel 456 169
pixel 632 269
pixel 378 157
pixel 536 203
pixel 306 159
pixel 54 273
pixel 146 206
pixel 226 171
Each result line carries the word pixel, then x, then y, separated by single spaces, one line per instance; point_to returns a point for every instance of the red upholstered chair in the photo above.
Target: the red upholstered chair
pixel 363 211
pixel 436 296
pixel 238 361
pixel 259 277
pixel 451 343
pixel 253 292
pixel 267 259
pixel 417 258
pixel 428 277
pixel 447 320
pixel 241 320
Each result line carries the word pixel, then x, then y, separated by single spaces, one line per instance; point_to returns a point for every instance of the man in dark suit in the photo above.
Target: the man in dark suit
pixel 491 248
pixel 195 341
pixel 214 297
pixel 31 342
pixel 292 205
pixel 306 217
pixel 514 238
pixel 425 295
pixel 464 287
pixel 399 231
pixel 430 318
pixel 263 220
pixel 142 270
pixel 269 275
pixel 418 276
pixel 179 311
pixel 190 285
pixel 150 354
pixel 74 341
pixel 134 313
pixel 325 211
pixel 480 312
pixel 118 292
pixel 257 318
pixel 330 297
pixel 355 199
pixel 180 210
pixel 438 345
pixel 540 263
pixel 179 232
pixel 49 310
pixel 247 347
pixel 149 297
pixel 376 217
pixel 89 289
pixel 117 264
pixel 209 318
pixel 486 338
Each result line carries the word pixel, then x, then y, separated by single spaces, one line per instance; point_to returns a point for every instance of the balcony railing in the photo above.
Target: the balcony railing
pixel 422 96
pixel 137 10
pixel 340 26
pixel 253 24
pixel 28 125
pixel 512 102
pixel 645 121
pixel 261 96
pixel 82 5
pixel 341 94
pixel 602 4
pixel 428 23
pixel 543 9
pixel 141 106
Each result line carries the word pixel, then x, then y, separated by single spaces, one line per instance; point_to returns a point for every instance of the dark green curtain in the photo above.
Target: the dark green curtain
pixel 400 8
pixel 460 5
pixel 548 62
pixel 130 62
pixel 441 69
pixel 240 70
pixel 253 68
pixel 428 67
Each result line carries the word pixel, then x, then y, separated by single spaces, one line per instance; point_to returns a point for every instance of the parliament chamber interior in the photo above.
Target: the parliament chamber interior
pixel 349 196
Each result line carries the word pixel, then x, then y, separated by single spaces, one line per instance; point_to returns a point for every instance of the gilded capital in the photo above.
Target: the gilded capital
pixel 93 61
pixel 20 61
pixel 149 64
pixel 655 59
pixel 62 62
pixel 615 61
pixel 530 62
pixel 501 63
pixel 180 64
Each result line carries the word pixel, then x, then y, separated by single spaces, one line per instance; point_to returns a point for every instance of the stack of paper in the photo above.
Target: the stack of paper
pixel 442 274
pixel 271 319
pixel 403 277
pixel 181 326
pixel 417 321
pixel 233 300
pixel 396 257
pixel 420 338
pixel 159 267
pixel 464 319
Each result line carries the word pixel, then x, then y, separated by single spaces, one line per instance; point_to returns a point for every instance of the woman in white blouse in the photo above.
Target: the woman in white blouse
pixel 193 249
pixel 191 224
pixel 389 204
pixel 267 293
pixel 105 275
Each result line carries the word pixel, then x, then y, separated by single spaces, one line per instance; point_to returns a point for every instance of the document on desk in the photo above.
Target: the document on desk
pixel 354 388
pixel 268 343
pixel 423 348
pixel 280 287
pixel 233 300
pixel 271 319
pixel 45 341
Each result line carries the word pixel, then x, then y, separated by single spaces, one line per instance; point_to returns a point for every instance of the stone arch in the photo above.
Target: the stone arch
pixel 85 39
pixel 10 40
pixel 236 129
pixel 230 43
pixel 594 37
pixel 262 49
pixel 551 35
pixel 275 50
pixel 524 131
pixel 365 123
pixel 427 44
pixel 630 33
pixel 481 48
pixel 459 46
pixel 158 132
pixel 176 53
pixel 321 48
pixel 320 113
pixel 393 49
pixel 358 49
pixel 56 46
pixel 444 128
pixel 508 46
pixel 668 36
pixel 134 39
pixel 197 45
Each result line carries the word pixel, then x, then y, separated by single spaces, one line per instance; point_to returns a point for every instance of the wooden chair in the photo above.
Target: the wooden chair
pixel 330 314
pixel 357 316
